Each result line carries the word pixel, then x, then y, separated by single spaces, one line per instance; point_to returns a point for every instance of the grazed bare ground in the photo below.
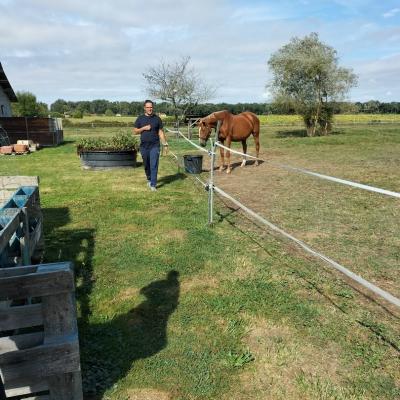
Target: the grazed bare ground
pixel 282 361
pixel 356 228
pixel 147 394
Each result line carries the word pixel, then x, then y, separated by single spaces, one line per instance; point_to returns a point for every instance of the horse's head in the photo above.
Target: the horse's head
pixel 205 128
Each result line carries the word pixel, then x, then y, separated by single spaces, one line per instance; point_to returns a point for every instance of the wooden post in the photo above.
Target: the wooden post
pixel 59 321
pixel 26 128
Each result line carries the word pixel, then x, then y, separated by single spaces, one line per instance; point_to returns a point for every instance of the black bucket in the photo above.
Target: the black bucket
pixel 193 164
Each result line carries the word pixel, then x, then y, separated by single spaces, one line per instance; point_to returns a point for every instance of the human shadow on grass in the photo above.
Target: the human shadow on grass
pixel 109 349
pixel 75 245
pixel 166 180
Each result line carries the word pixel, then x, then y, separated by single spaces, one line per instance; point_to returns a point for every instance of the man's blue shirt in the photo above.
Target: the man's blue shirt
pixel 149 138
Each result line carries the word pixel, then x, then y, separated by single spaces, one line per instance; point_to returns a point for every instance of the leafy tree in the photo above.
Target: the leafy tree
pixel 28 106
pixel 60 106
pixel 306 75
pixel 177 84
pixel 109 113
pixel 42 109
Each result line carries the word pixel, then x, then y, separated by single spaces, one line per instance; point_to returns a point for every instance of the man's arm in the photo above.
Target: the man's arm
pixel 162 137
pixel 138 131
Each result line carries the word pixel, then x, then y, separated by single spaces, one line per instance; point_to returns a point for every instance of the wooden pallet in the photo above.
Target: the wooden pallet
pixel 21 227
pixel 40 354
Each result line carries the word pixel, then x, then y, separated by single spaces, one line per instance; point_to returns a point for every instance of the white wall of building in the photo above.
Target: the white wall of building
pixel 5 105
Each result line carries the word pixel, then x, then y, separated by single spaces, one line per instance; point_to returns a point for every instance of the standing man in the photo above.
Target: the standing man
pixel 150 128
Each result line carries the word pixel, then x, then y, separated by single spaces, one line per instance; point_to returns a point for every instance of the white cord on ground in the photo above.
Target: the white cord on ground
pixel 356 278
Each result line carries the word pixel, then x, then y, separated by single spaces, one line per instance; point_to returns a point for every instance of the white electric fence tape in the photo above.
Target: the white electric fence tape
pixel 356 278
pixel 237 152
pixel 387 296
pixel 343 181
pixel 327 177
pixel 192 143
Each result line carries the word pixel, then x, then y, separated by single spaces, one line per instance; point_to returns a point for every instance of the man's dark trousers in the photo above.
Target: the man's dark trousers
pixel 150 155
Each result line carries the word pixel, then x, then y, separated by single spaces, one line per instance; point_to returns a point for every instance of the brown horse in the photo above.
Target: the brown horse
pixel 234 128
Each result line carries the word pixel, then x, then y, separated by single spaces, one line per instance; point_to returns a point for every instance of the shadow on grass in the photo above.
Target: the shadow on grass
pixel 236 164
pixel 75 245
pixel 291 133
pixel 166 180
pixel 109 349
pixel 299 133
pixel 63 143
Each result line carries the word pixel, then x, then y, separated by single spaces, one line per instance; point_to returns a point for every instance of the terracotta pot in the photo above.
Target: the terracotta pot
pixel 20 148
pixel 6 149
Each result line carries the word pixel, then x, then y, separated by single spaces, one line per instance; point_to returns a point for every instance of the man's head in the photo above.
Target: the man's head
pixel 148 107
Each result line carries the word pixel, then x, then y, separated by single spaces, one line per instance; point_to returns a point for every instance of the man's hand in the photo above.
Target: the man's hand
pixel 165 149
pixel 146 128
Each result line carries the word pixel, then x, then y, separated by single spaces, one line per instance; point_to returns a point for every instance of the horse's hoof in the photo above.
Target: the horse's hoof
pixel 228 171
pixel 242 164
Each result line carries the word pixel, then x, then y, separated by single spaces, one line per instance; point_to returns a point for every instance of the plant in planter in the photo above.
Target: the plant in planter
pixel 113 152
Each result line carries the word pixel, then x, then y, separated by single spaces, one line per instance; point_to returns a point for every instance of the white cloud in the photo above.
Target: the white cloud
pixel 391 13
pixel 78 50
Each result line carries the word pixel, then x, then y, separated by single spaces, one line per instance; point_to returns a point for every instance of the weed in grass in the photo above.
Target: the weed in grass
pixel 238 360
pixel 235 326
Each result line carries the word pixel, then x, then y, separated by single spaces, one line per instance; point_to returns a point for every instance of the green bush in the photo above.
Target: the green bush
pixel 77 114
pixel 119 142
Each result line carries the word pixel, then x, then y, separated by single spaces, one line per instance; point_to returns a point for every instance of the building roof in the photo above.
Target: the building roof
pixel 5 84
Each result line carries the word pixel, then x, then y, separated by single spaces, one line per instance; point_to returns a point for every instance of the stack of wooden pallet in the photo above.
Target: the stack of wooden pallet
pixel 39 348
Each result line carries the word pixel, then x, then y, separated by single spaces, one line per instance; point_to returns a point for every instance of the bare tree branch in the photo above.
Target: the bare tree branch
pixel 177 84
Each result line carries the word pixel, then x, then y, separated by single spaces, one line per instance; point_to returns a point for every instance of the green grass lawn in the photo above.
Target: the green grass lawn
pixel 170 308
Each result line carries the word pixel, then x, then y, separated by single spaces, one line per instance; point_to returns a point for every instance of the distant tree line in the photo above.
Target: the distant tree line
pixel 28 106
pixel 101 107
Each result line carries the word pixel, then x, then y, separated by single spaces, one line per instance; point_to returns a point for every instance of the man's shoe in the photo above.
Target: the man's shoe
pixel 153 188
pixel 148 183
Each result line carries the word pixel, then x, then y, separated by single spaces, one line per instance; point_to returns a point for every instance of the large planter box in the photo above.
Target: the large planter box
pixel 98 159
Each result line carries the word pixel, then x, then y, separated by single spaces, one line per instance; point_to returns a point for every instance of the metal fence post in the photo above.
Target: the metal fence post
pixel 211 180
pixel 211 185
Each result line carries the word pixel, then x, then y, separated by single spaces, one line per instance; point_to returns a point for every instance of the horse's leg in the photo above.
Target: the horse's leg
pixel 257 142
pixel 221 152
pixel 228 155
pixel 244 146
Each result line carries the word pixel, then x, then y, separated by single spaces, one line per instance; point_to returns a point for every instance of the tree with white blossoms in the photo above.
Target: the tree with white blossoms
pixel 178 84
pixel 306 75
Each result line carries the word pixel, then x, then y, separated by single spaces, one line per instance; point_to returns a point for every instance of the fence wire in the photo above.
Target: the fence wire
pixel 351 275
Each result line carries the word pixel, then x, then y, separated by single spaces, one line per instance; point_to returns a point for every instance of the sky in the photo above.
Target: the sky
pixel 85 50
